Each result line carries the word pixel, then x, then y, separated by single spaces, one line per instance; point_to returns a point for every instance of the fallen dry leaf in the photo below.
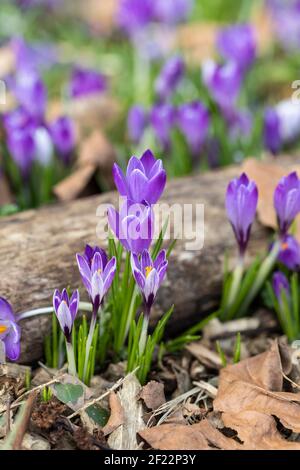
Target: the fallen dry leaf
pixel 75 184
pixel 116 414
pixel 153 395
pixel 266 175
pixel 255 386
pixel 204 355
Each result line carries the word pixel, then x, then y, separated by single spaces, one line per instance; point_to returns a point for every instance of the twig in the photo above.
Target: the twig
pixel 95 400
pixel 8 416
pixel 290 380
pixel 15 438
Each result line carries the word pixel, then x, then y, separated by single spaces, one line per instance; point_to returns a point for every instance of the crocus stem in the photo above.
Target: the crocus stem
pixel 71 359
pixel 88 344
pixel 143 337
pixel 85 306
pixel 236 282
pixel 262 275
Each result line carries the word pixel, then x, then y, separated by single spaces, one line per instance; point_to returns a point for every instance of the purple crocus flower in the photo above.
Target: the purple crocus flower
pixel 134 15
pixel 289 254
pixel 145 179
pixel 280 284
pixel 241 203
pixel 172 11
pixel 10 332
pixel 149 275
pixel 18 119
pixel 287 201
pixel 133 225
pixel 97 274
pixel 33 56
pixel 66 309
pixel 193 120
pixel 239 122
pixel 169 77
pixel 237 43
pixel 86 82
pixel 31 93
pixel 63 135
pixel 286 20
pixel 272 137
pixel 223 82
pixel 21 146
pixel 162 118
pixel 136 123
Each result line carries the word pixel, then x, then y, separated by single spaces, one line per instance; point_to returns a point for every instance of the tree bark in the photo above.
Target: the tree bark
pixel 37 255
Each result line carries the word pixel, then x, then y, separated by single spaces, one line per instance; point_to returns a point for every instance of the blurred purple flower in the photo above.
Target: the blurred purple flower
pixel 85 82
pixel 66 309
pixel 289 254
pixel 223 82
pixel 287 201
pixel 136 123
pixel 272 137
pixel 10 332
pixel 63 135
pixel 134 15
pixel 133 225
pixel 241 203
pixel 238 121
pixel 21 146
pixel 162 118
pixel 169 77
pixel 31 93
pixel 18 119
pixel 145 179
pixel 149 275
pixel 280 284
pixel 286 21
pixel 33 56
pixel 193 120
pixel 96 273
pixel 237 43
pixel 172 11
pixel 43 146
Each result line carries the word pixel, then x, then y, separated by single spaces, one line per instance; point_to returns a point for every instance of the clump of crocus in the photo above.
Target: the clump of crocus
pixel 149 274
pixel 66 309
pixel 10 332
pixel 97 274
pixel 284 294
pixel 145 179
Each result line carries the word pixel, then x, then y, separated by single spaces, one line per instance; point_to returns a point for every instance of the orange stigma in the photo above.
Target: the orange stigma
pixel 148 270
pixel 284 246
pixel 3 329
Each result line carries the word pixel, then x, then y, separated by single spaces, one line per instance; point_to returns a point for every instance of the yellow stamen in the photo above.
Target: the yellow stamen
pixel 284 246
pixel 3 329
pixel 99 271
pixel 148 270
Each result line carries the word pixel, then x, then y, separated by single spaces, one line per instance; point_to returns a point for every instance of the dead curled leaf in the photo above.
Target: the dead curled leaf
pixel 116 418
pixel 266 174
pixel 204 355
pixel 251 394
pixel 153 395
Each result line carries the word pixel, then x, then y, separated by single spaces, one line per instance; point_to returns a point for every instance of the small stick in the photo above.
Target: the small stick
pixel 8 416
pixel 23 424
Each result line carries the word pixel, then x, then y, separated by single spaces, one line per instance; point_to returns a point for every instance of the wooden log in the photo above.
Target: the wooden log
pixel 37 255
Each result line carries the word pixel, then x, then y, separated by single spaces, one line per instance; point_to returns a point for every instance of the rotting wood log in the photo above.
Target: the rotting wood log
pixel 37 255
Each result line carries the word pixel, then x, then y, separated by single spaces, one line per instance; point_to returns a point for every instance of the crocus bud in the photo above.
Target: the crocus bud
pixel 287 201
pixel 241 203
pixel 85 82
pixel 289 254
pixel 162 119
pixel 10 332
pixel 193 120
pixel 145 179
pixel 136 123
pixel 169 77
pixel 21 146
pixel 272 135
pixel 97 274
pixel 31 93
pixel 63 135
pixel 223 81
pixel 149 275
pixel 66 309
pixel 280 284
pixel 133 225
